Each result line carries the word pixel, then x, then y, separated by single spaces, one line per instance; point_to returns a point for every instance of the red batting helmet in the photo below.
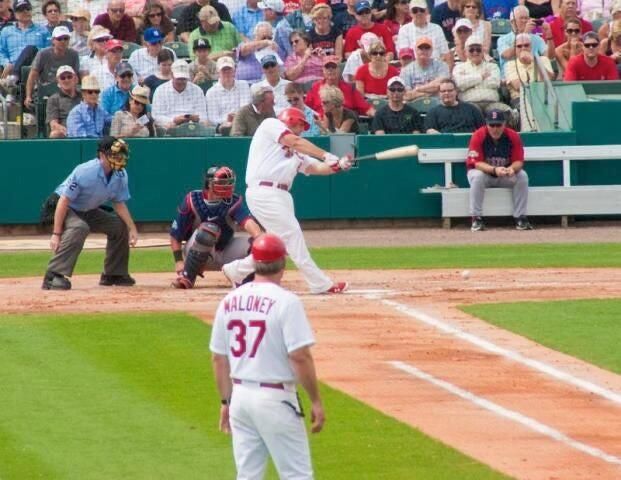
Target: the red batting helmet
pixel 268 248
pixel 292 116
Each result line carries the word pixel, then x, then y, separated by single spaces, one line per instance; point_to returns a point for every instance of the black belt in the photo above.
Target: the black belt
pixel 266 183
pixel 278 386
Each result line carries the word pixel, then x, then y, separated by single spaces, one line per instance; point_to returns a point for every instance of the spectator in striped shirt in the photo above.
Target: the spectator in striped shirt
pixel 144 60
pixel 227 96
pixel 105 72
pixel 246 18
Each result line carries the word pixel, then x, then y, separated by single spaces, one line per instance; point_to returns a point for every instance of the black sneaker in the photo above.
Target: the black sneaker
pixel 55 281
pixel 477 224
pixel 522 223
pixel 118 280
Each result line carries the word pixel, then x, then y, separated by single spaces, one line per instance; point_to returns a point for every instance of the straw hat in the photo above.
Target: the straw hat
pixel 140 94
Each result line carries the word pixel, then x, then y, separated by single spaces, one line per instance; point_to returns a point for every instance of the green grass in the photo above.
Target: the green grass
pixel 132 396
pixel 586 329
pixel 16 264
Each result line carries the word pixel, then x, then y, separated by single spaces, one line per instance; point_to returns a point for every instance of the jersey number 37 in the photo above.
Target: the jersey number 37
pixel 240 331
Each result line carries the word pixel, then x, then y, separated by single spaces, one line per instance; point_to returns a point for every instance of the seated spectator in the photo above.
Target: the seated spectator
pixel 154 16
pixel 295 97
pixel 203 68
pixel 247 17
pixel 106 72
pixel 591 65
pixel 569 9
pixel 472 10
pixel 6 14
pixel 249 53
pixel 271 71
pixel 452 116
pixel 406 56
pixel 51 12
pixel 359 57
pixel 397 15
pixel 179 101
pixel 81 23
pixel 249 117
pixel 461 32
pixel 303 65
pixel 325 38
pixel 120 25
pixel 522 23
pixel 144 60
pixel 221 35
pixel 611 46
pixel 478 80
pixel 19 42
pixel 353 99
pixel 48 60
pixel 497 9
pixel 189 20
pixel 133 120
pixel 422 76
pixel 372 78
pixel 615 14
pixel 396 116
pixel 344 18
pixel 572 47
pixel 97 39
pixel 274 14
pixel 421 27
pixel 446 15
pixel 226 96
pixel 366 24
pixel 115 96
pixel 165 60
pixel 301 18
pixel 88 119
pixel 62 102
pixel 335 118
pixel 522 70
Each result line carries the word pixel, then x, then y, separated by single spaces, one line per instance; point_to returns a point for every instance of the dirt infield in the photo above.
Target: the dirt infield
pixel 397 342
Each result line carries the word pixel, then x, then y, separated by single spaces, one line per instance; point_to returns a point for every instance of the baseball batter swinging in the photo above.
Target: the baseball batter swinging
pixel 203 222
pixel 261 343
pixel 277 153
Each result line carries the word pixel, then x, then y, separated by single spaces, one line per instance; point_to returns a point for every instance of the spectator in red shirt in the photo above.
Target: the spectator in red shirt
pixel 121 25
pixel 496 159
pixel 365 24
pixel 569 9
pixel 372 78
pixel 352 98
pixel 591 65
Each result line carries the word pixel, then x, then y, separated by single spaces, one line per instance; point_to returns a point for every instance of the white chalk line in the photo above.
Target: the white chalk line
pixel 512 415
pixel 504 352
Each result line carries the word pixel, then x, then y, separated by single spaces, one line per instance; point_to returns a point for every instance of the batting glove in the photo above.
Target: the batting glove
pixel 330 159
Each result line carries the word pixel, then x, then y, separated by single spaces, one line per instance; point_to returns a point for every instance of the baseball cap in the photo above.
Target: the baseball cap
pixel 90 82
pixel 152 35
pixel 64 69
pixel 180 69
pixel 123 68
pixel 268 59
pixel 367 39
pixel 362 5
pixel 22 4
pixel 615 7
pixel 473 40
pixel 201 43
pixel 418 4
pixel 80 13
pixel 328 59
pixel 98 32
pixel 394 80
pixel 495 117
pixel 225 62
pixel 140 94
pixel 60 32
pixel 209 14
pixel 424 41
pixel 112 44
pixel 406 52
pixel 462 23
pixel 276 5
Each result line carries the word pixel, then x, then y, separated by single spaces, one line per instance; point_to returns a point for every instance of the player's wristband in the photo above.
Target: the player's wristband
pixel 178 255
pixel 56 233
pixel 493 174
pixel 224 401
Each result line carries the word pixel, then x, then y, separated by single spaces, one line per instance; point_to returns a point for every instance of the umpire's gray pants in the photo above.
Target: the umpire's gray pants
pixel 77 227
pixel 479 181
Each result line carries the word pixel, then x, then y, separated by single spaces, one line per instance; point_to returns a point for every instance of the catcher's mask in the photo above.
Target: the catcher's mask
pixel 220 181
pixel 116 151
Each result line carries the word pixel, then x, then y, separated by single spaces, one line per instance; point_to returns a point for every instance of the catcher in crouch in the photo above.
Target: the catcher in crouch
pixel 204 220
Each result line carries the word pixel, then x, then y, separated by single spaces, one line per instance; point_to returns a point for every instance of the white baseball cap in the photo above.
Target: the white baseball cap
pixel 61 31
pixel 462 23
pixel 418 4
pixel 395 80
pixel 224 62
pixel 473 40
pixel 180 69
pixel 367 39
pixel 64 69
pixel 276 5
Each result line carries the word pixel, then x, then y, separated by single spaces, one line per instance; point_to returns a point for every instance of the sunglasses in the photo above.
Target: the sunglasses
pixel 424 47
pixel 463 30
pixel 153 15
pixel 91 92
pixel 270 65
pixel 295 42
pixel 116 10
pixel 591 45
pixel 100 40
pixel 62 39
pixel 126 75
pixel 419 10
pixel 470 6
pixel 523 45
pixel 23 9
pixel 269 37
pixel 378 54
pixel 396 89
pixel 572 30
pixel 495 125
pixel 68 76
pixel 294 99
pixel 475 49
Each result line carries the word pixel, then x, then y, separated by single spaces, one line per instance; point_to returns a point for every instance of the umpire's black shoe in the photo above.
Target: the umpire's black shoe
pixel 522 223
pixel 477 224
pixel 118 280
pixel 55 281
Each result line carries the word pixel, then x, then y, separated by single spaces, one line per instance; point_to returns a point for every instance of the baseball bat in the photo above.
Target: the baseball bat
pixel 391 154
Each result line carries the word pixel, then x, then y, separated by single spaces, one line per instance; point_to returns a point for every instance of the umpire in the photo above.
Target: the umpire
pixel 76 209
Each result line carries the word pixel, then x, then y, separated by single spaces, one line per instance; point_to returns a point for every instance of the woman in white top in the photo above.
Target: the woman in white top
pixel 481 29
pixel 81 23
pixel 97 43
pixel 133 120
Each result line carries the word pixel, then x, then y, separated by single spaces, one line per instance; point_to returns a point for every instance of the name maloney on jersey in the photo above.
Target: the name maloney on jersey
pixel 251 303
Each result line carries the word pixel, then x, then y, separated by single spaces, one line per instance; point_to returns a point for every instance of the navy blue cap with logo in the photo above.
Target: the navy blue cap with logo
pixel 495 117
pixel 362 5
pixel 22 5
pixel 268 60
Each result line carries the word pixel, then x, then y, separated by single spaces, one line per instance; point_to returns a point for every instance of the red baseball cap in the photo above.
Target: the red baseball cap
pixel 406 52
pixel 112 44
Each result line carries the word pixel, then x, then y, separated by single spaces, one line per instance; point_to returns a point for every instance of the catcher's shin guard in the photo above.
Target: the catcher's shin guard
pixel 199 253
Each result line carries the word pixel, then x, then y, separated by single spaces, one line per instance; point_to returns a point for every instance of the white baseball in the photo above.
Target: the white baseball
pixel 465 274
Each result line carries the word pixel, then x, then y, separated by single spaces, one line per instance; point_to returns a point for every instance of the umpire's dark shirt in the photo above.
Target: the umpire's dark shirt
pixel 462 118
pixel 405 120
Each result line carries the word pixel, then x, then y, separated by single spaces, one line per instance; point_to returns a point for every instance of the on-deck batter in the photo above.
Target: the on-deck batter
pixel 261 343
pixel 277 153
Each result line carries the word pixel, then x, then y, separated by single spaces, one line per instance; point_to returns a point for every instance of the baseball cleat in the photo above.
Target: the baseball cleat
pixel 182 283
pixel 116 280
pixel 338 287
pixel 233 283
pixel 522 223
pixel 55 281
pixel 477 224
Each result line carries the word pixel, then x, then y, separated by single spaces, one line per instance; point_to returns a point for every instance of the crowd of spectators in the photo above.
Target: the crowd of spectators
pixel 350 65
